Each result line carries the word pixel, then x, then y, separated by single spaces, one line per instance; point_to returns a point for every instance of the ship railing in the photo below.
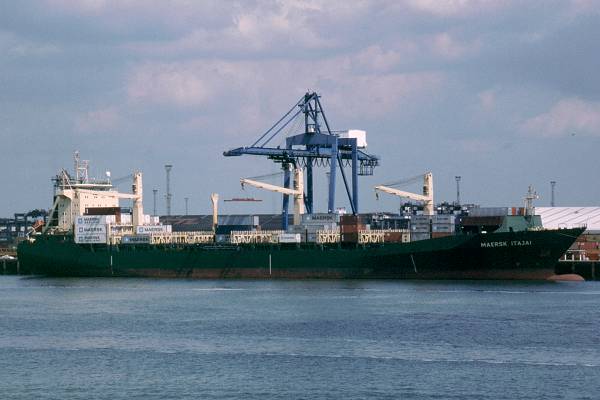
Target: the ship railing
pixel 189 237
pixel 574 255
pixel 384 236
pixel 251 237
pixel 328 236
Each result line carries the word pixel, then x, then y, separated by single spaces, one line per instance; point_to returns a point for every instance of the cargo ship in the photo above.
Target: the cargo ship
pixel 88 234
pixel 527 255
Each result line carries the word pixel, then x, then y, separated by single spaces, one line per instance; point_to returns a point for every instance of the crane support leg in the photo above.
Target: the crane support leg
pixel 286 198
pixel 334 156
pixel 346 186
pixel 355 175
pixel 309 186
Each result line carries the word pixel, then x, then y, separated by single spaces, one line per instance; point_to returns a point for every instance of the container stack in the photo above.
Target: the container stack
pixel 589 246
pixel 420 227
pixel 350 226
pixel 442 225
pixel 424 227
pixel 230 223
pixel 312 224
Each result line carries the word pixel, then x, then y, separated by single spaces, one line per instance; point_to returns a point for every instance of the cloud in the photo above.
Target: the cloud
pixel 98 121
pixel 13 46
pixel 487 100
pixel 445 45
pixel 456 8
pixel 570 116
pixel 376 58
pixel 354 84
pixel 477 146
pixel 173 84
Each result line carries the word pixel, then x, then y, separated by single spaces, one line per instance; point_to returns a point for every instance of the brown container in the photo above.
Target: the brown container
pixel 393 237
pixel 588 246
pixel 435 235
pixel 355 228
pixel 349 219
pixel 102 211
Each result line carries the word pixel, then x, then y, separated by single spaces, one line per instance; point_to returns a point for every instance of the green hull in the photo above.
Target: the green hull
pixel 514 255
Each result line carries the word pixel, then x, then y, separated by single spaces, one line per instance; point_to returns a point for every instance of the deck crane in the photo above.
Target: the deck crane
pixel 297 191
pixel 317 145
pixel 426 197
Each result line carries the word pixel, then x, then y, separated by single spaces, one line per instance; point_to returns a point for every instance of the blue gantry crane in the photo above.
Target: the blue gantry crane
pixel 317 146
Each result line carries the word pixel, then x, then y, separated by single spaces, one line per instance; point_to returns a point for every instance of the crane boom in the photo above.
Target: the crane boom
pixel 401 193
pixel 297 191
pixel 426 197
pixel 267 186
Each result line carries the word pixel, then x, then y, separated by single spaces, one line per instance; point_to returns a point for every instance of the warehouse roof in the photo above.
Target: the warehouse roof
pixel 570 217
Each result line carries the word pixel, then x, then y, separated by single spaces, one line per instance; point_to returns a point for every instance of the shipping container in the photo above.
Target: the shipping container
pixel 227 229
pixel 419 236
pixel 349 219
pixel 320 219
pixel 443 219
pixel 90 233
pixel 358 134
pixel 443 228
pixel 397 237
pixel 95 220
pixel 289 238
pixel 488 212
pixel 249 220
pixel 135 239
pixel 435 235
pixel 102 211
pixel 149 229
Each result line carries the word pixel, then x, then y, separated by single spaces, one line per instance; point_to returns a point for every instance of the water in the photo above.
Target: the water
pixel 177 339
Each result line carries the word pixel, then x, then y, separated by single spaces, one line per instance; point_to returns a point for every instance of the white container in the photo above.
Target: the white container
pixel 320 219
pixel 95 219
pixel 126 219
pixel 289 238
pixel 149 229
pixel 359 135
pixel 136 239
pixel 88 233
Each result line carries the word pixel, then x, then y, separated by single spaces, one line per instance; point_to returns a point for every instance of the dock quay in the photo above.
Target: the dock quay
pixel 588 270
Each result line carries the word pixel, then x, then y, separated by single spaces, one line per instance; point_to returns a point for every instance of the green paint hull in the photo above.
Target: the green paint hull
pixel 514 255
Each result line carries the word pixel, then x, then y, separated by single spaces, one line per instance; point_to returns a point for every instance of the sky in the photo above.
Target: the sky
pixel 503 93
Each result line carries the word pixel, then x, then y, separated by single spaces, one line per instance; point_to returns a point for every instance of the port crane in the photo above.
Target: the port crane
pixel 297 191
pixel 426 197
pixel 316 146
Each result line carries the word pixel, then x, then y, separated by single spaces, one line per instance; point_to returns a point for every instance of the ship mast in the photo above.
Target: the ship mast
pixel 529 198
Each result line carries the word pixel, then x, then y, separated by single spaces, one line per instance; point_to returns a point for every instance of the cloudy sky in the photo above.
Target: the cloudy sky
pixel 503 93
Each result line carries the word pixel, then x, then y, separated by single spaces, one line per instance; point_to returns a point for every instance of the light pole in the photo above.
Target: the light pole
pixel 457 189
pixel 154 191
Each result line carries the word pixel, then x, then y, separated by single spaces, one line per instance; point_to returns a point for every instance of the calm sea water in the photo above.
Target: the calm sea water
pixel 177 339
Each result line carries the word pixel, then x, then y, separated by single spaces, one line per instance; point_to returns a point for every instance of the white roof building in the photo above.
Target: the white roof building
pixel 570 217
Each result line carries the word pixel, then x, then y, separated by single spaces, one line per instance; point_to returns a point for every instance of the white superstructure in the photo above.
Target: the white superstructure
pixel 75 196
